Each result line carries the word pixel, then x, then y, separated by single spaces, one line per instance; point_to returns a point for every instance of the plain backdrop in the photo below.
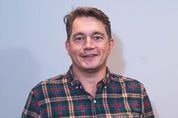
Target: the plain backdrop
pixel 32 36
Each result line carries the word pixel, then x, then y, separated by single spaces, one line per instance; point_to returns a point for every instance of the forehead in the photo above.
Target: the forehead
pixel 86 24
pixel 87 19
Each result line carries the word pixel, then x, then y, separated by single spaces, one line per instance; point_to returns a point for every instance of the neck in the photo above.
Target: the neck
pixel 89 78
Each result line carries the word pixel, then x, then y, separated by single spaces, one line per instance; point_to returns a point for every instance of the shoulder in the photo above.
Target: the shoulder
pixel 132 85
pixel 120 78
pixel 50 83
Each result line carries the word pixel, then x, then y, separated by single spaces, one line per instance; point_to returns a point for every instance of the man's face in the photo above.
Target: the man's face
pixel 89 45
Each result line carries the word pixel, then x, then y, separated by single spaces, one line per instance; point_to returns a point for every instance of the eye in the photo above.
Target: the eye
pixel 78 39
pixel 97 37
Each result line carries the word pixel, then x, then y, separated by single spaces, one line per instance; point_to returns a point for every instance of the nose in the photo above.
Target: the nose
pixel 89 43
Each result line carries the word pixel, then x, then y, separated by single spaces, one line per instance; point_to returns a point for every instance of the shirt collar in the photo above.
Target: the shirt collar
pixel 71 78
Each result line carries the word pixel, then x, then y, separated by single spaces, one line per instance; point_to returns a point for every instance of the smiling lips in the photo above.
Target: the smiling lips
pixel 89 56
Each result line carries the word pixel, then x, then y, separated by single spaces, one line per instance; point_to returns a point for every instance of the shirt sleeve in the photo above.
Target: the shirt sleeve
pixel 146 105
pixel 31 109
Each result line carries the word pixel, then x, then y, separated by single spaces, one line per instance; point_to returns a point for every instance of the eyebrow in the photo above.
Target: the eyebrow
pixel 82 34
pixel 98 33
pixel 78 33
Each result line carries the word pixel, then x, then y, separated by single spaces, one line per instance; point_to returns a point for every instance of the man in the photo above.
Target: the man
pixel 88 89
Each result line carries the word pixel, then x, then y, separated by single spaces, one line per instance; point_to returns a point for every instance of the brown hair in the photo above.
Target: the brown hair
pixel 88 12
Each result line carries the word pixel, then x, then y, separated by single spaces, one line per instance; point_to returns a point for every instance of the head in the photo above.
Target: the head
pixel 89 40
pixel 86 12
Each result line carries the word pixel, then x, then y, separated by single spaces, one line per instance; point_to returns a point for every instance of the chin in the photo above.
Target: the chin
pixel 91 68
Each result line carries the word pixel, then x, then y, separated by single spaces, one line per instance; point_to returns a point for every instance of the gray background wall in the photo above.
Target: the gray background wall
pixel 32 49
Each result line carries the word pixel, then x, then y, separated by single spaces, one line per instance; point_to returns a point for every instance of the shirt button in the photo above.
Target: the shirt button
pixel 76 87
pixel 94 101
pixel 105 87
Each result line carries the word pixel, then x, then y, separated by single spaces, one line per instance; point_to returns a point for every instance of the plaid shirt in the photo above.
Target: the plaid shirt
pixel 64 96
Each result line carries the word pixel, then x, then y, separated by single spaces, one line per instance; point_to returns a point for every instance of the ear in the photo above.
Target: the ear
pixel 67 46
pixel 111 42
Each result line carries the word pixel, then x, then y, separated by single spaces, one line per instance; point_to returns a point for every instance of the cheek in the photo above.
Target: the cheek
pixel 107 50
pixel 73 52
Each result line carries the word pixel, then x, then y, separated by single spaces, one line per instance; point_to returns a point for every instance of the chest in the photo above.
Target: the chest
pixel 109 103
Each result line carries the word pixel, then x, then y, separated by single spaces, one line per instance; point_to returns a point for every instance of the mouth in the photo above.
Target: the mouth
pixel 89 56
